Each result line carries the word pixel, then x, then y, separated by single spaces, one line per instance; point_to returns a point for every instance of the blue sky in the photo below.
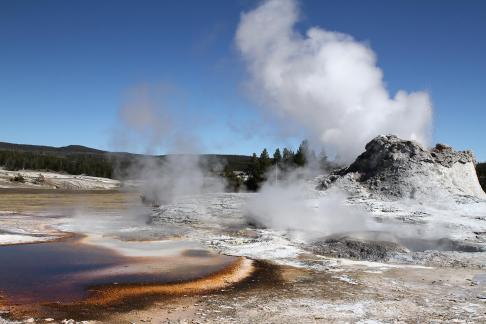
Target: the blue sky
pixel 66 66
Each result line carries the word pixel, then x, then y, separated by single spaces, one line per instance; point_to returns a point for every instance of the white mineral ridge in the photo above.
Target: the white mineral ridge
pixel 53 180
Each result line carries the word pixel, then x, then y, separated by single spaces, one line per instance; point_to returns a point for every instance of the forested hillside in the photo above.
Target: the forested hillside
pixel 76 159
pixel 88 164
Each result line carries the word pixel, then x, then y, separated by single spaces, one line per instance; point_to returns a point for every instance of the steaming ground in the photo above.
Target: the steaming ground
pixel 409 262
pixel 310 283
pixel 319 286
pixel 420 234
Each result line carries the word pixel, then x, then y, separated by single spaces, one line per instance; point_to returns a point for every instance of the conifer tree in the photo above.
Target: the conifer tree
pixel 288 157
pixel 254 174
pixel 277 157
pixel 300 157
pixel 264 161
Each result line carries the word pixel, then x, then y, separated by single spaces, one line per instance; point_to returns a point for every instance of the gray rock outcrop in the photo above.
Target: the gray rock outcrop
pixel 397 169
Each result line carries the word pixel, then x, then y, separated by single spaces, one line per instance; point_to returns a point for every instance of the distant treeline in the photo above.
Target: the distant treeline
pixel 76 159
pixel 481 170
pixel 87 164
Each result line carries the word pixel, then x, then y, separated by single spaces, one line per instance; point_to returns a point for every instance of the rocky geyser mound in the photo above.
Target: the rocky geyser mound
pixel 399 169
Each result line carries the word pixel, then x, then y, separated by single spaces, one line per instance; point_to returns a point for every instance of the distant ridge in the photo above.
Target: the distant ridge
pixel 80 149
pixel 42 148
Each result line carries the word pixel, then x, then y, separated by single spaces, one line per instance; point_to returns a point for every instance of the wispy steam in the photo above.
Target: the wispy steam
pixel 325 82
pixel 154 119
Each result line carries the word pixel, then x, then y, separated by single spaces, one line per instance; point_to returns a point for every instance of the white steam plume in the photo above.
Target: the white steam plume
pixel 326 82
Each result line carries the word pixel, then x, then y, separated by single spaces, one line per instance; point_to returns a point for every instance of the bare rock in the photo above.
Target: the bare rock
pixel 370 246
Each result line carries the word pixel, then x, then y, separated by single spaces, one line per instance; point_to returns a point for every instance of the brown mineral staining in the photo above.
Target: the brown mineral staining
pixel 109 294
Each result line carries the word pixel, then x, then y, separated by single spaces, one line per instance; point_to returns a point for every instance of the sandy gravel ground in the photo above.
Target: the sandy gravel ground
pixel 402 295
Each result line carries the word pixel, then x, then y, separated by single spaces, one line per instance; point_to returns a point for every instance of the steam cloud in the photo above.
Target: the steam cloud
pixel 326 82
pixel 292 205
pixel 154 118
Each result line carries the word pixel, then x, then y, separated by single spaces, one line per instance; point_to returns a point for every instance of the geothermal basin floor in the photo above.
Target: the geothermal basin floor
pixel 298 286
